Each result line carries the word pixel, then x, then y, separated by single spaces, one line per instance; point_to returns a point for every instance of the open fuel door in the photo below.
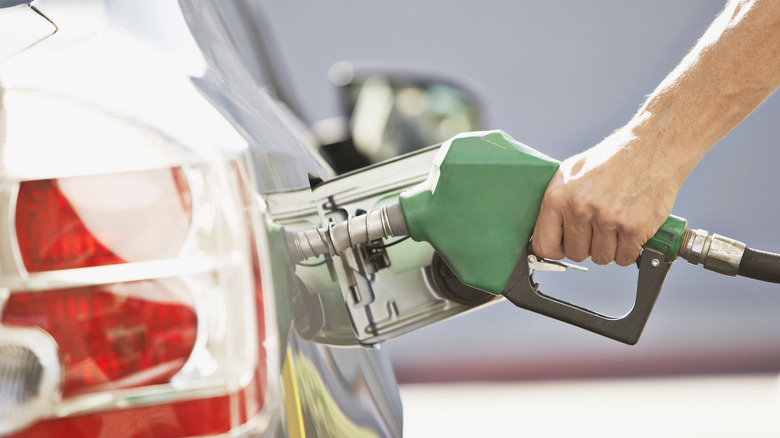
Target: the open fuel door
pixel 375 291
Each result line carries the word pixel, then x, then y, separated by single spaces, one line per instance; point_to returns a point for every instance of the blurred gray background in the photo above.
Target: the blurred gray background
pixel 559 76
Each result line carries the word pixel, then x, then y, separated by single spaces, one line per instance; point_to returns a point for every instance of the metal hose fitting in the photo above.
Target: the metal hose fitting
pixel 717 253
pixel 388 221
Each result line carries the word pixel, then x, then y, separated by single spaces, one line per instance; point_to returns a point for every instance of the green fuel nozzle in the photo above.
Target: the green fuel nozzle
pixel 479 205
pixel 478 208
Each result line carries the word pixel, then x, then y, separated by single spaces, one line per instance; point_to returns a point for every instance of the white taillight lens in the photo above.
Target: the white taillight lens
pixel 29 376
pixel 146 284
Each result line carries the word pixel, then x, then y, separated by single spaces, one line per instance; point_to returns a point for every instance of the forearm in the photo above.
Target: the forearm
pixel 609 200
pixel 732 69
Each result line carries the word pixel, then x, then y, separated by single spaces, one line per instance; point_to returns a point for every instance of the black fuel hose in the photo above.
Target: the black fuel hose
pixel 760 265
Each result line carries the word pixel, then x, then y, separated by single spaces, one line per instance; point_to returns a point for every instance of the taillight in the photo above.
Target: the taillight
pixel 102 220
pixel 144 287
pixel 110 337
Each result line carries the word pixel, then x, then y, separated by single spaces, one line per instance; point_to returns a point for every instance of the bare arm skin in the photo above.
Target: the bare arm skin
pixel 606 202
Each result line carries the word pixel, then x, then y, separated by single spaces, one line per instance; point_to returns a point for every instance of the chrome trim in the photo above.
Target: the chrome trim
pixel 22 27
pixel 120 273
pixel 10 255
pixel 135 397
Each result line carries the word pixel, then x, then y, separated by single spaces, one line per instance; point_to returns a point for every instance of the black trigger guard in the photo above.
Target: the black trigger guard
pixel 523 292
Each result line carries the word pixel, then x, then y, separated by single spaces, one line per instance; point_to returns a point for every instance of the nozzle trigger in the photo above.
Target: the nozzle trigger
pixel 523 292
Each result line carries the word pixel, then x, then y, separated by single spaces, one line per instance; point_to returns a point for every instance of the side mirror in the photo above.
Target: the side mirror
pixel 390 112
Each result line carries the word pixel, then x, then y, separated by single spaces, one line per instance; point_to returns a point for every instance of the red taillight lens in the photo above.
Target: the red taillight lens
pixel 50 234
pixel 103 219
pixel 113 336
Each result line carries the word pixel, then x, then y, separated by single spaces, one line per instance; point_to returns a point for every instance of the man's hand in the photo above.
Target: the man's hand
pixel 604 203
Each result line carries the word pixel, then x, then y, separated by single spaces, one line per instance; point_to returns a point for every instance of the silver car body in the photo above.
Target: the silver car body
pixel 94 89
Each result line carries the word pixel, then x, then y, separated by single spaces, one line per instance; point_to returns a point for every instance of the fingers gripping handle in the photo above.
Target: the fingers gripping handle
pixel 523 292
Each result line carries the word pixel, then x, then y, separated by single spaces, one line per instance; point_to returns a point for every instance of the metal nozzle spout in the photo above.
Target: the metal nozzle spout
pixel 388 221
